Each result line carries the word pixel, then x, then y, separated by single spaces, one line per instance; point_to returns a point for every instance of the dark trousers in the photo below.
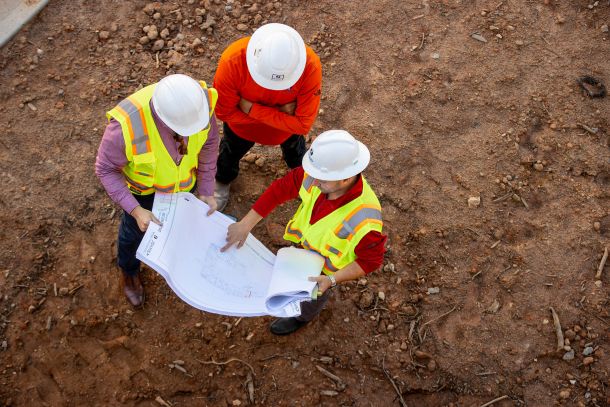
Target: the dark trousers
pixel 130 237
pixel 310 309
pixel 233 148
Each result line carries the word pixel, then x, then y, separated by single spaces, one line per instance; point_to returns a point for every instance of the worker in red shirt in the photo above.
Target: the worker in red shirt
pixel 269 89
pixel 339 217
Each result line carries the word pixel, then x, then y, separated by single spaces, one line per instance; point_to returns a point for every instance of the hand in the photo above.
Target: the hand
pixel 211 201
pixel 323 283
pixel 236 233
pixel 245 105
pixel 288 108
pixel 144 217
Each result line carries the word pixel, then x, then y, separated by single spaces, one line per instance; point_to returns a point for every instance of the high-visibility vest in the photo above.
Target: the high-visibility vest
pixel 150 168
pixel 336 235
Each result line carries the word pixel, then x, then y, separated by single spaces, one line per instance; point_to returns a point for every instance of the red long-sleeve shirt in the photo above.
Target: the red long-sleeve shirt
pixel 265 124
pixel 371 248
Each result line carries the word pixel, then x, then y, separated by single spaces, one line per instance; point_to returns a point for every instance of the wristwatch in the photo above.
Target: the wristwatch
pixel 333 280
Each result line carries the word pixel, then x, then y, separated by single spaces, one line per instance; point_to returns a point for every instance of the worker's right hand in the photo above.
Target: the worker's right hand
pixel 288 108
pixel 144 217
pixel 237 233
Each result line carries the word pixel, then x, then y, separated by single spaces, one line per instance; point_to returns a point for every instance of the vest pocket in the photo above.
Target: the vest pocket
pixel 144 166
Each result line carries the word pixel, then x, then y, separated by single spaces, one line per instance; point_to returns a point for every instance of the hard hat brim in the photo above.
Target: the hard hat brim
pixel 258 36
pixel 364 157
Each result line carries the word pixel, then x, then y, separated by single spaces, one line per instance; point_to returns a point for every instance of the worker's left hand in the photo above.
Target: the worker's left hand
pixel 245 105
pixel 323 283
pixel 211 201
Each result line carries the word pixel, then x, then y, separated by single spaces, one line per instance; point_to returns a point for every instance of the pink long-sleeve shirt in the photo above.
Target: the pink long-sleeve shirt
pixel 111 159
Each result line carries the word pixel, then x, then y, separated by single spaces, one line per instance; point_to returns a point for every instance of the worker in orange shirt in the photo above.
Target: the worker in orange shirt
pixel 269 89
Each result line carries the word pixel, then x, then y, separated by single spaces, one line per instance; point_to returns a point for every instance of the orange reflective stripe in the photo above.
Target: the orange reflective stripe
pixel 333 250
pixel 123 113
pixel 142 118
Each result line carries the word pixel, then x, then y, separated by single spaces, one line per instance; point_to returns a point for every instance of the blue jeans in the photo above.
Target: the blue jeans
pixel 130 237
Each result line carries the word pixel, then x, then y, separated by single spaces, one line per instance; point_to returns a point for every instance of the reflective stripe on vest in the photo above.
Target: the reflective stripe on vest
pixel 308 182
pixel 295 232
pixel 356 219
pixel 131 110
pixel 328 265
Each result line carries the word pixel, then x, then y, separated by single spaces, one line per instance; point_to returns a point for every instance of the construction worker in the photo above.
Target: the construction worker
pixel 269 93
pixel 339 217
pixel 162 138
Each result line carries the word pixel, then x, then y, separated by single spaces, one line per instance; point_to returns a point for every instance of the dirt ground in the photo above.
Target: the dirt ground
pixel 460 315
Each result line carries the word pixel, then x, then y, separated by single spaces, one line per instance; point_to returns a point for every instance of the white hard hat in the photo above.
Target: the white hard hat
pixel 276 56
pixel 181 103
pixel 335 155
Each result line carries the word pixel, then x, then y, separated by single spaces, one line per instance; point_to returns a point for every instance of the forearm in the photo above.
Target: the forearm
pixel 271 116
pixel 352 271
pixel 206 168
pixel 251 219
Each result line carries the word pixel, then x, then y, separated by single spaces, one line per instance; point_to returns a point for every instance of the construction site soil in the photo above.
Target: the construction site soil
pixel 491 162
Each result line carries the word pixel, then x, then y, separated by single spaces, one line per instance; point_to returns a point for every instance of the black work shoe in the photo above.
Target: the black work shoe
pixel 285 326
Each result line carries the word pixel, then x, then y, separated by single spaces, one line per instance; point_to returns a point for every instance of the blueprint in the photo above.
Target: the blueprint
pixel 185 250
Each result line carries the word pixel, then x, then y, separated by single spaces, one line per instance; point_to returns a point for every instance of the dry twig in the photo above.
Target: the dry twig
pixel 396 389
pixel 340 384
pixel 558 331
pixel 602 263
pixel 213 362
pixel 489 403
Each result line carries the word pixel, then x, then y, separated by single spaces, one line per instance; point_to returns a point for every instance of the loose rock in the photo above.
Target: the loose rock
pixel 474 201
pixel 158 45
pixel 104 35
pixel 569 355
pixel 588 360
pixel 242 27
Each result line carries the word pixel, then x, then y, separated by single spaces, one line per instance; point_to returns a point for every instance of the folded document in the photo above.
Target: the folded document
pixel 250 281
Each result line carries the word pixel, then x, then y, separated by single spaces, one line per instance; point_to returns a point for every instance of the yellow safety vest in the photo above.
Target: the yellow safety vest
pixel 150 168
pixel 336 235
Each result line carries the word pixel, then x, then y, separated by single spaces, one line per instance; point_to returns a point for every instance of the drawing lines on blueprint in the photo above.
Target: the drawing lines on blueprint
pixel 220 270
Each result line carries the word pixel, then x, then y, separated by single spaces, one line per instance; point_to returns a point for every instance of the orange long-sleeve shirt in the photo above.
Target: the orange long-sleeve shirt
pixel 265 124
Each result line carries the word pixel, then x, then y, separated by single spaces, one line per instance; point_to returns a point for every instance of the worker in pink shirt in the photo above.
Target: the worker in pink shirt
pixel 162 138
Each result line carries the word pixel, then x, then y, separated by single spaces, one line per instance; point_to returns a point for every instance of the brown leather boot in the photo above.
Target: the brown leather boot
pixel 134 290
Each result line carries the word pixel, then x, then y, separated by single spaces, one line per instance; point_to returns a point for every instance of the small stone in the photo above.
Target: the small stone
pixel 389 267
pixel 152 34
pixel 564 394
pixel 236 402
pixel 570 334
pixel 156 16
pixel 104 35
pixel 32 107
pixel 114 27
pixel 598 283
pixel 366 300
pixel 381 295
pixel 242 27
pixel 538 166
pixel 435 55
pixel 260 162
pixel 519 42
pixel 164 33
pixel 587 351
pixel 560 19
pixel 474 201
pixel 494 28
pixel 158 45
pixel 588 360
pixel 597 226
pixel 478 37
pixel 63 291
pixel 144 40
pixel 4 345
pixel 433 290
pixel 431 365
pixel 198 325
pixel 569 355
pixel 605 28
